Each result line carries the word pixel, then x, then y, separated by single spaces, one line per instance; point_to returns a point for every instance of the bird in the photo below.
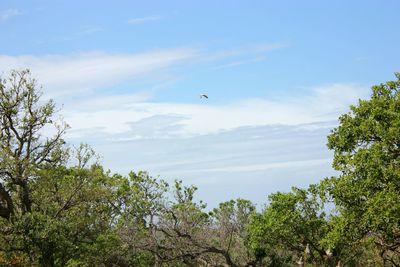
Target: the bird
pixel 204 96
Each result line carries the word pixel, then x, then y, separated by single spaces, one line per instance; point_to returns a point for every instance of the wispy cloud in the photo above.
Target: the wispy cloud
pixel 84 72
pixel 82 75
pixel 143 20
pixel 185 120
pixel 9 13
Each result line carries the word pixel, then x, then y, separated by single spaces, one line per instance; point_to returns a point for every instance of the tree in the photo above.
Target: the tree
pixel 178 231
pixel 230 227
pixel 290 228
pixel 366 148
pixel 23 148
pixel 140 199
pixel 190 236
pixel 49 214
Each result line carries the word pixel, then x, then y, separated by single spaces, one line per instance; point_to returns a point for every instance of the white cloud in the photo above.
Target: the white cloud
pixel 143 20
pixel 84 72
pixel 9 13
pixel 81 74
pixel 122 114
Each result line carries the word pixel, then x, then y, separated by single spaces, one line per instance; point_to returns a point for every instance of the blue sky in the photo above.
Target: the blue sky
pixel 128 75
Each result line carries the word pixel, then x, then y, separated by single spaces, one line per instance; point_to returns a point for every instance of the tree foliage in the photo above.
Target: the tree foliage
pixel 367 153
pixel 291 229
pixel 23 149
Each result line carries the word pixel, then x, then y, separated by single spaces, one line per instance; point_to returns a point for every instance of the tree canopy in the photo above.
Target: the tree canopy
pixel 367 153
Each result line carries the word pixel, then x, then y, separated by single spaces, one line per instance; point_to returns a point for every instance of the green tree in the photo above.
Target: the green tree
pixel 23 148
pixel 366 148
pixel 140 201
pixel 290 229
pixel 50 214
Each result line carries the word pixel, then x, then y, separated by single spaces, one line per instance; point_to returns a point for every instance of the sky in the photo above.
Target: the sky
pixel 127 76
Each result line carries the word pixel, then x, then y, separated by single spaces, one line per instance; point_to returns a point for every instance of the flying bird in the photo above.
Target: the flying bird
pixel 204 96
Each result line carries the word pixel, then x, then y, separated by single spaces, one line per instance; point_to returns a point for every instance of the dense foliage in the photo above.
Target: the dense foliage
pixel 59 207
